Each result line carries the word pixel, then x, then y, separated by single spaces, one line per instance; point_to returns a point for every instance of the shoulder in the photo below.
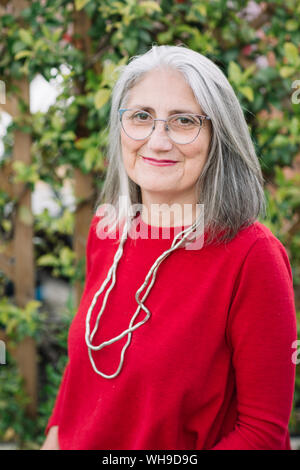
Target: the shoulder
pixel 254 232
pixel 256 236
pixel 262 250
pixel 101 232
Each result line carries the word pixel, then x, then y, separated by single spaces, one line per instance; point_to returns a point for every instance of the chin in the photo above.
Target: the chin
pixel 157 186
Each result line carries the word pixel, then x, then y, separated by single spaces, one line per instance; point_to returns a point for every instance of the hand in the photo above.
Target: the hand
pixel 51 441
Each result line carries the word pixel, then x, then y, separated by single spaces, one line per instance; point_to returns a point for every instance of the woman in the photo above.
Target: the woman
pixel 179 344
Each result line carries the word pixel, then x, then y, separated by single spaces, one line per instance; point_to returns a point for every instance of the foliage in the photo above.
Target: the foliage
pixel 14 423
pixel 19 322
pixel 259 53
pixel 52 366
pixel 283 209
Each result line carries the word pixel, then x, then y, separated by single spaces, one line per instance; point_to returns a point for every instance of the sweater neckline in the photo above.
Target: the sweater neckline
pixel 143 230
pixel 156 227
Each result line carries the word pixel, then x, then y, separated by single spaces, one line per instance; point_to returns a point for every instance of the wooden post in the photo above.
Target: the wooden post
pixel 83 190
pixel 23 247
pixel 24 278
pixel 18 264
pixel 83 183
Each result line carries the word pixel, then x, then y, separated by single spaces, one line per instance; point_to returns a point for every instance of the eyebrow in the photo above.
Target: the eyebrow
pixel 173 111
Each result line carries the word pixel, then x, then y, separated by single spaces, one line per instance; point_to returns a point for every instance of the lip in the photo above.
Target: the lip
pixel 152 161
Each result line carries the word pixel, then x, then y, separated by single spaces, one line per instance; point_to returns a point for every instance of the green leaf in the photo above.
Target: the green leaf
pixel 57 122
pixel 26 37
pixel 22 54
pixel 6 225
pixel 292 25
pixel 18 46
pixel 286 72
pixel 150 6
pixel 65 224
pixel 31 307
pixel 40 45
pixel 25 215
pixel 66 256
pixel 109 73
pixel 90 157
pixel 280 141
pixel 47 260
pixel 295 126
pixel 46 32
pixel 101 98
pixel 165 36
pixel 68 135
pixel 291 53
pixel 248 92
pixel 130 44
pixel 249 71
pixel 57 34
pixel 80 4
pixel 235 73
pixel 202 9
pixel 25 173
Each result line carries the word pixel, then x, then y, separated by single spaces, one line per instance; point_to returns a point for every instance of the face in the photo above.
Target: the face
pixel 160 92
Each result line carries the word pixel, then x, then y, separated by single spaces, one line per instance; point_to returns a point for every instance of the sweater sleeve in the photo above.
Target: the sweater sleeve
pixel 261 328
pixel 54 418
pixel 55 415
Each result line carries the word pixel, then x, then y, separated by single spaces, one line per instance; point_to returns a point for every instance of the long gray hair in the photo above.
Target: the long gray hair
pixel 230 186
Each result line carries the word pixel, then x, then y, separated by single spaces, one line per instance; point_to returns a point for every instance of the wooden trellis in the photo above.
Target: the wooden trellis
pixel 83 187
pixel 17 262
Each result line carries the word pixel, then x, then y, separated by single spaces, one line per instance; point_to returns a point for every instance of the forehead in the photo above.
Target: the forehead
pixel 163 89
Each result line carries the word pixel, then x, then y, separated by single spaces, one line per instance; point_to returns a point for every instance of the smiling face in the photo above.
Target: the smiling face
pixel 163 92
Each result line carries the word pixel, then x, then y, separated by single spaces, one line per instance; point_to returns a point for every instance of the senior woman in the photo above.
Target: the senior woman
pixel 183 337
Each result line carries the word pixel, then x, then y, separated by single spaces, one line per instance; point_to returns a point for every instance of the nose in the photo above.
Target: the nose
pixel 159 139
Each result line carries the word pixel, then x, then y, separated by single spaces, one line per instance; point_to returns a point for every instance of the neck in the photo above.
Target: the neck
pixel 169 213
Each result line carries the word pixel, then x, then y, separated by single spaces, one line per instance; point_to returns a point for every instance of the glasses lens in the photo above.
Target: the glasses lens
pixel 184 128
pixel 137 124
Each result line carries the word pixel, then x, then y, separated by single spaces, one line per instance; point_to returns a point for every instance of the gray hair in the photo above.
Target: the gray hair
pixel 231 184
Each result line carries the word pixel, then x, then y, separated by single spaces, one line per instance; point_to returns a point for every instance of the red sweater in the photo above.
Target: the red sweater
pixel 211 369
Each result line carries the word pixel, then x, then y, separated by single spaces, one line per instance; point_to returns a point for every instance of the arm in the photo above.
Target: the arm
pixel 51 431
pixel 260 331
pixel 51 441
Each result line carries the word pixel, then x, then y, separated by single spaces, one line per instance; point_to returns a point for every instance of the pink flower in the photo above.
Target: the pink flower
pixel 247 50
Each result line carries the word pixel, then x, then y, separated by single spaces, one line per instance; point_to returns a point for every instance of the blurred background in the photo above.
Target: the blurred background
pixel 58 62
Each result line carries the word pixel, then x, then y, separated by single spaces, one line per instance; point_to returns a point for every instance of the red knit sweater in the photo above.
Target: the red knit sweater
pixel 211 369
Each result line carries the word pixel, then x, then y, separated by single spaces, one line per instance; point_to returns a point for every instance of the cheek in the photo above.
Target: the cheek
pixel 129 154
pixel 129 148
pixel 195 156
pixel 195 160
pixel 199 152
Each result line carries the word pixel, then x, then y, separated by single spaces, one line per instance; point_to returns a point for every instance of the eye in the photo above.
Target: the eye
pixel 141 116
pixel 184 121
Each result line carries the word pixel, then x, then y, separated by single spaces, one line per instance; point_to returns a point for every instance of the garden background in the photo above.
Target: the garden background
pixel 78 45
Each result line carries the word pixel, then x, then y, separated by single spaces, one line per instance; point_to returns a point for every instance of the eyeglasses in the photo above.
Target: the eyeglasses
pixel 181 128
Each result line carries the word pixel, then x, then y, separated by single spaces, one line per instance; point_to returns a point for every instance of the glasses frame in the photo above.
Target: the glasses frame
pixel 201 116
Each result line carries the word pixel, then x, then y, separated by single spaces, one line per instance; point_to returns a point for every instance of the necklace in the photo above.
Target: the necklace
pixel 112 276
